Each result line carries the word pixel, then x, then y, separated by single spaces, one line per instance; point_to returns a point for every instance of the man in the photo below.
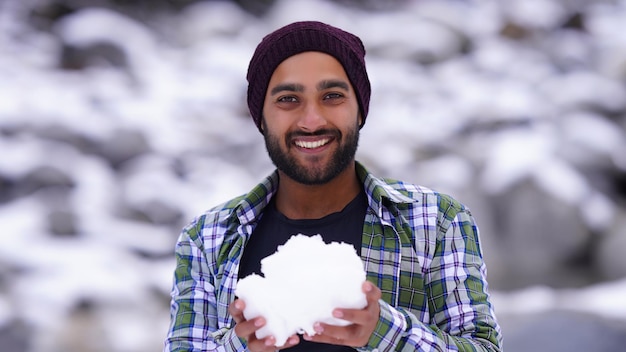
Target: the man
pixel 426 285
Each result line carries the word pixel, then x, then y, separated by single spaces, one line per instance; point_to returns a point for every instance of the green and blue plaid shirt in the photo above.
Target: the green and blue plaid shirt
pixel 421 248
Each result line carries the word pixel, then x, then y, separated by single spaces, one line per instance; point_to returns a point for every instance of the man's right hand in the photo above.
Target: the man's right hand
pixel 246 330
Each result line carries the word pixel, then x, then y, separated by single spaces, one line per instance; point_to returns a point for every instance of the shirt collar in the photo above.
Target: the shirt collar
pixel 251 205
pixel 379 193
pixel 380 190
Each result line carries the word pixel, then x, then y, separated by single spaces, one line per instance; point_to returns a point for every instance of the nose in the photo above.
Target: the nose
pixel 312 118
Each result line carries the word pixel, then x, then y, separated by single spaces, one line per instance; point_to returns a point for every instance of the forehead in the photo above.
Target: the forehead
pixel 309 66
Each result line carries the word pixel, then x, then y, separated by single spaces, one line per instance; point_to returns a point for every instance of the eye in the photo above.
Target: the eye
pixel 333 97
pixel 287 99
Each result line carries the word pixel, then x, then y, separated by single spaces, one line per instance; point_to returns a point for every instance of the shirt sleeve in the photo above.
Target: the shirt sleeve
pixel 194 317
pixel 461 315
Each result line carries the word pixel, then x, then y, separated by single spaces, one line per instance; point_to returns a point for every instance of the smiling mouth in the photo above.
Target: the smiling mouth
pixel 312 144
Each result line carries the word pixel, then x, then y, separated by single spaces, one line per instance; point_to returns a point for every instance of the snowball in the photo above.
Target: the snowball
pixel 305 279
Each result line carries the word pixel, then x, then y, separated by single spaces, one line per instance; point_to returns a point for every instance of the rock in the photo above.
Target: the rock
pixel 44 176
pixel 609 253
pixel 15 337
pixel 63 134
pixel 424 42
pixel 542 237
pixel 93 54
pixel 122 146
pixel 7 185
pixel 81 328
pixel 62 222
pixel 156 212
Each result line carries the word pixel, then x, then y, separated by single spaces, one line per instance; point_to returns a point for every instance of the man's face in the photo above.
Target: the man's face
pixel 311 118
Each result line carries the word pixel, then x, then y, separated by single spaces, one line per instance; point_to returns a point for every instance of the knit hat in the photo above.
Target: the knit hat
pixel 299 37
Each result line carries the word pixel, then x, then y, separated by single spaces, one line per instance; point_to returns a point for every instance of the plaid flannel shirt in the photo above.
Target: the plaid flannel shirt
pixel 421 248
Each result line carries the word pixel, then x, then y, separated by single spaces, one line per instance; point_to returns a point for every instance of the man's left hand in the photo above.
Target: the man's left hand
pixel 363 322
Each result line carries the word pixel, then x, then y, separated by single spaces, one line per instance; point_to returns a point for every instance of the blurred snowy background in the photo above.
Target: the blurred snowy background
pixel 122 120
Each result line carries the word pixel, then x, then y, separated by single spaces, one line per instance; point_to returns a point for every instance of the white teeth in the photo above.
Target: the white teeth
pixel 311 145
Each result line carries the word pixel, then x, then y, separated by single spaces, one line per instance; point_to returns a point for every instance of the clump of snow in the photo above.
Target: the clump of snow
pixel 305 279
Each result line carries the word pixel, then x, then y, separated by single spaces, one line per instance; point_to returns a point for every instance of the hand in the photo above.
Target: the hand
pixel 363 322
pixel 246 330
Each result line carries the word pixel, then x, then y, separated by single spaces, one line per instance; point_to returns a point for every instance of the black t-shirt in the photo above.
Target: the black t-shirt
pixel 274 229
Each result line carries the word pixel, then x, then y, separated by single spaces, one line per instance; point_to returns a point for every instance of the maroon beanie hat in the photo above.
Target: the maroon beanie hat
pixel 299 37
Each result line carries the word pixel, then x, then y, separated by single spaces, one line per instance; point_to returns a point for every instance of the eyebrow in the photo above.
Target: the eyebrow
pixel 333 83
pixel 290 87
pixel 295 87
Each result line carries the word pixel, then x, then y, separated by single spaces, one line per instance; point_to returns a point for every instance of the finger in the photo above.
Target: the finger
pixel 319 338
pixel 372 292
pixel 259 345
pixel 336 332
pixel 359 317
pixel 330 334
pixel 362 316
pixel 351 335
pixel 247 328
pixel 235 310
pixel 291 341
pixel 268 343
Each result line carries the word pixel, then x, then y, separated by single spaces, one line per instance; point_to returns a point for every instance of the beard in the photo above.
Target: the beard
pixel 318 174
